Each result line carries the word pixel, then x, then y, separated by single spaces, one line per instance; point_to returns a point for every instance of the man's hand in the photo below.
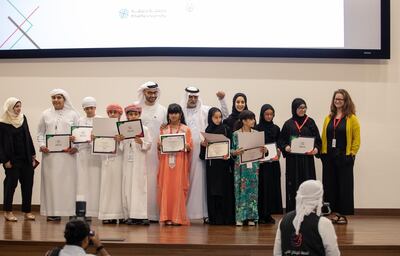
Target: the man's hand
pixel 220 95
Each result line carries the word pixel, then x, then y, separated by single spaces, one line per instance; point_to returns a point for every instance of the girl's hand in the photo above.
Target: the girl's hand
pixel 159 146
pixel 72 150
pixel 239 151
pixel 226 157
pixel 288 149
pixel 204 143
pixel 313 152
pixel 264 150
pixel 119 138
pixel 72 138
pixel 187 147
pixel 8 165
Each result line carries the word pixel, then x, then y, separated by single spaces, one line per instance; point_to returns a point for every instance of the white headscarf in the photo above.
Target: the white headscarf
pixel 9 116
pixel 88 102
pixel 193 91
pixel 67 101
pixel 308 199
pixel 147 85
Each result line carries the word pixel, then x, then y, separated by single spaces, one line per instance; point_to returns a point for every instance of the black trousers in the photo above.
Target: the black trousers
pixel 338 181
pixel 23 172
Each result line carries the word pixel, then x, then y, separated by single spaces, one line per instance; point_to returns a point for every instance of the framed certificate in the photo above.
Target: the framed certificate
pixel 302 145
pixel 172 143
pixel 104 145
pixel 130 129
pixel 272 152
pixel 58 142
pixel 82 134
pixel 218 149
pixel 251 155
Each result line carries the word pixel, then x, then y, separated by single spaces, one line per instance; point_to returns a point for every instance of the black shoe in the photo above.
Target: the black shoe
pixel 206 220
pixel 53 218
pixel 88 219
pixel 109 221
pixel 270 220
pixel 145 222
pixel 131 221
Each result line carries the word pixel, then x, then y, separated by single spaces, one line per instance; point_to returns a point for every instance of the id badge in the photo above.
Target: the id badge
pixel 333 143
pixel 171 160
pixel 249 165
pixel 130 156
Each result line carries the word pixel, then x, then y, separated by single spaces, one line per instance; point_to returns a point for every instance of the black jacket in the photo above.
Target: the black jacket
pixel 6 142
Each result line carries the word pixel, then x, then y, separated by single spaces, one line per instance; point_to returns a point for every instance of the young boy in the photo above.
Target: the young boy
pixel 89 166
pixel 134 172
pixel 110 207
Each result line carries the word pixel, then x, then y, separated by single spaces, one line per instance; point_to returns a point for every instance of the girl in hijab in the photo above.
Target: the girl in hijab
pixel 17 154
pixel 220 196
pixel 239 103
pixel 58 187
pixel 299 167
pixel 269 179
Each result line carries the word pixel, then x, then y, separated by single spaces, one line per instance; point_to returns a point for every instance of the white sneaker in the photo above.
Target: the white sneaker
pixel 251 223
pixel 239 223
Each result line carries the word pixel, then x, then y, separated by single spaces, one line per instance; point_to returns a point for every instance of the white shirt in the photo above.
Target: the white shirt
pixel 73 250
pixel 327 233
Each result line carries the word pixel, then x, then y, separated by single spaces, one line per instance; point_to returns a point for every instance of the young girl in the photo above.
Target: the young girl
pixel 239 103
pixel 269 189
pixel 173 172
pixel 110 206
pixel 220 196
pixel 134 172
pixel 246 178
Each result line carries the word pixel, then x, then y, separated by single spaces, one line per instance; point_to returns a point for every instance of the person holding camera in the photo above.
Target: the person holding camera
pixel 78 238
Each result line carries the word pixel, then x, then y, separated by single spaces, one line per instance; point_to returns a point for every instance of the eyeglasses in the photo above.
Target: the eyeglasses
pixel 302 107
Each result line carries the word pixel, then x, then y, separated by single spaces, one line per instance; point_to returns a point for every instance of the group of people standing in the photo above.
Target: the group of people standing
pixel 138 184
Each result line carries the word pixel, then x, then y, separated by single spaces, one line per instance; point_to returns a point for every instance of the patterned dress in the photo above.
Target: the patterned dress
pixel 246 186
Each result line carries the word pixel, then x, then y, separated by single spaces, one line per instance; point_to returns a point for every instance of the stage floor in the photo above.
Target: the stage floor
pixel 362 232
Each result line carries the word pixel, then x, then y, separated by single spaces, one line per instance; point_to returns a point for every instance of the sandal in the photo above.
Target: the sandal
pixel 9 216
pixel 340 220
pixel 29 216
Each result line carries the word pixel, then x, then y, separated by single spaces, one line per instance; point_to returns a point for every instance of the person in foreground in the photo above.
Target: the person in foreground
pixel 304 231
pixel 78 238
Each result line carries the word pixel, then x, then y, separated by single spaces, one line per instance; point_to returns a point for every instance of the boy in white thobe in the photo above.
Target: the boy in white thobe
pixel 110 206
pixel 134 172
pixel 89 166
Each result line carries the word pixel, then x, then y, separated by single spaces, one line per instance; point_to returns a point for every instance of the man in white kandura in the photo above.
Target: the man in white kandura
pixel 89 165
pixel 196 114
pixel 153 115
pixel 58 189
pixel 304 231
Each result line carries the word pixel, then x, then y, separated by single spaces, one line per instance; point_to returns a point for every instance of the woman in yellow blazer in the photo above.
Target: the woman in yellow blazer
pixel 340 144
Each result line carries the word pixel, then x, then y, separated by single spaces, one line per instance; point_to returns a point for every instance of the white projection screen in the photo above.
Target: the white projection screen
pixel 254 28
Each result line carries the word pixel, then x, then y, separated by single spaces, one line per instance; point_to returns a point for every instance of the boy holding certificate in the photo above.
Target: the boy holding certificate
pixel 219 178
pixel 134 172
pixel 245 174
pixel 89 165
pixel 173 173
pixel 110 206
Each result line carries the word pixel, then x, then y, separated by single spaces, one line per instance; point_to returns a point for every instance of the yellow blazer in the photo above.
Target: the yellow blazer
pixel 352 135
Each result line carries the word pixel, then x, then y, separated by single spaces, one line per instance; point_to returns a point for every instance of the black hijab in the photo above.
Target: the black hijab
pixel 295 104
pixel 271 131
pixel 212 127
pixel 234 116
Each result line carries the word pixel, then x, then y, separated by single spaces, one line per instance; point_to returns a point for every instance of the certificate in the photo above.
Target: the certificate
pixel 272 152
pixel 58 142
pixel 104 145
pixel 251 155
pixel 248 140
pixel 82 134
pixel 218 150
pixel 172 143
pixel 130 129
pixel 302 145
pixel 105 127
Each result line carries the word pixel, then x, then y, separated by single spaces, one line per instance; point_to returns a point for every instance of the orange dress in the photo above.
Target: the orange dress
pixel 173 181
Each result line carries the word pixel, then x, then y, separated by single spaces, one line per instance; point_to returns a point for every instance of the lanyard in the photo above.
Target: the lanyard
pixel 335 125
pixel 300 126
pixel 177 131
